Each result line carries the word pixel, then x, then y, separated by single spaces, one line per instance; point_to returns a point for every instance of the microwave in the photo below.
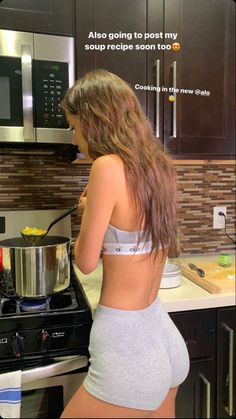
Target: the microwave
pixel 35 72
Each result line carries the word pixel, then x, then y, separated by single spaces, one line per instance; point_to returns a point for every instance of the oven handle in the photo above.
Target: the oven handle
pixel 52 370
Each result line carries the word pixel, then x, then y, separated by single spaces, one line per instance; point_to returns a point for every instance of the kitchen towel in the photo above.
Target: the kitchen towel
pixel 10 394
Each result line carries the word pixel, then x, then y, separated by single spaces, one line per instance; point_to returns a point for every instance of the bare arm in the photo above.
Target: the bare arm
pixel 100 202
pixel 83 199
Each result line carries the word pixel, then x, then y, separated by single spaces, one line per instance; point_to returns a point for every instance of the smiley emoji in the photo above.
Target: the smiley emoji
pixel 171 98
pixel 176 46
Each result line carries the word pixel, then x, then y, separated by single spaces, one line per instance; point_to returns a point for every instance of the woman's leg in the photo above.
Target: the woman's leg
pixel 167 408
pixel 84 405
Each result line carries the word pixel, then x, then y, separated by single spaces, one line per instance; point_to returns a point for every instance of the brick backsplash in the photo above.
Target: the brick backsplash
pixel 200 188
pixel 46 181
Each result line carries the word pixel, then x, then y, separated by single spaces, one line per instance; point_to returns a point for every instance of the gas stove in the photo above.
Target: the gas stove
pixel 33 336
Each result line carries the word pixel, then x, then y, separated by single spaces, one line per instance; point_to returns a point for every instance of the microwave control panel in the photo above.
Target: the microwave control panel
pixel 50 85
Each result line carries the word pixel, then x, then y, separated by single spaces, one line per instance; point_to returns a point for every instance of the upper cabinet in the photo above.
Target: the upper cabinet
pixel 202 118
pixel 44 16
pixel 187 90
pixel 111 18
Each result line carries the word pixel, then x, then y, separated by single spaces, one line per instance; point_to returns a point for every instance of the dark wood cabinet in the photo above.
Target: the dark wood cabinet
pixel 210 388
pixel 196 396
pixel 112 17
pixel 122 17
pixel 226 383
pixel 200 121
pixel 44 16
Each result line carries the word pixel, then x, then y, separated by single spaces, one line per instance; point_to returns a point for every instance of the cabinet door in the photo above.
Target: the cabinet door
pixel 118 21
pixel 44 16
pixel 195 398
pixel 200 122
pixel 198 328
pixel 226 383
pixel 155 65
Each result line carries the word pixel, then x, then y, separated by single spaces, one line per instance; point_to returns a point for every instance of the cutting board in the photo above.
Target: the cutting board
pixel 216 280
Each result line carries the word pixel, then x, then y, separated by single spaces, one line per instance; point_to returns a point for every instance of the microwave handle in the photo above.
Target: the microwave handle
pixel 27 94
pixel 62 367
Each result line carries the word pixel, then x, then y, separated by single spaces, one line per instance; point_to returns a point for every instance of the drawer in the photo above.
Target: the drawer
pixel 198 329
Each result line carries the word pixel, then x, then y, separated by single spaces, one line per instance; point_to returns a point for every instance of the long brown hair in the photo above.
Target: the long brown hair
pixel 112 122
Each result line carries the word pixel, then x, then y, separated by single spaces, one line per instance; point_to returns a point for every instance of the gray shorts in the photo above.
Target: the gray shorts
pixel 136 356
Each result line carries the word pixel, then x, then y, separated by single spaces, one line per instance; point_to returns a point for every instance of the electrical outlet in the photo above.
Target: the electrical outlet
pixel 218 220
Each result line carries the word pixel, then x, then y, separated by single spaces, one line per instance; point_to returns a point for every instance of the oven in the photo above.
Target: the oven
pixel 46 396
pixel 35 72
pixel 49 345
pixel 47 338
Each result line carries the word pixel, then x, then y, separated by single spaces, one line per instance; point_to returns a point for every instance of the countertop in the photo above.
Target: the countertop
pixel 188 296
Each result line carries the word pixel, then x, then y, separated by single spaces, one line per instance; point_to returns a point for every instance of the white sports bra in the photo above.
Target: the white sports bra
pixel 123 242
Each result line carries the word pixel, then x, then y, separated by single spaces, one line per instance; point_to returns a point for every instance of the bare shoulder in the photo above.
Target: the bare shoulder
pixel 107 167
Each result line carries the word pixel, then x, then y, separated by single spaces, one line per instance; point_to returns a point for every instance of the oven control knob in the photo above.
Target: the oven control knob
pixel 17 345
pixel 44 337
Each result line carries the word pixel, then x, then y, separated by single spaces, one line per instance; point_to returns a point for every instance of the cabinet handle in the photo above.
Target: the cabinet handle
pixel 174 69
pixel 157 64
pixel 230 376
pixel 27 96
pixel 208 396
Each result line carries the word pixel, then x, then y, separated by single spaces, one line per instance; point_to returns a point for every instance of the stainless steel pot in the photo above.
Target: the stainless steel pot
pixel 34 272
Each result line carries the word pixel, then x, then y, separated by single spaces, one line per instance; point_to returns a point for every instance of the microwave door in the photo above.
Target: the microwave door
pixel 11 109
pixel 16 110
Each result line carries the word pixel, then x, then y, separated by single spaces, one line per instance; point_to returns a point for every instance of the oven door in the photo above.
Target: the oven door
pixel 47 390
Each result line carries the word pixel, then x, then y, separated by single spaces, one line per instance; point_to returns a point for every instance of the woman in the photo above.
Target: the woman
pixel 138 358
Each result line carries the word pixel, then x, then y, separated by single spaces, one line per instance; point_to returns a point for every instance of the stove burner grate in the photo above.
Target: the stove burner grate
pixel 71 299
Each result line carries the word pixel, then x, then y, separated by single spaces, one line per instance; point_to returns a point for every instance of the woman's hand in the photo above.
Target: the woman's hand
pixel 83 199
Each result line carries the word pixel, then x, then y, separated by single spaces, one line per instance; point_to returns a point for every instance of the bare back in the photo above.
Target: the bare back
pixel 129 282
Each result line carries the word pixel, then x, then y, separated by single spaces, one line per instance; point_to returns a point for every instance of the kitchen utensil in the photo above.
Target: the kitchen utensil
pixel 36 271
pixel 217 279
pixel 198 270
pixel 33 239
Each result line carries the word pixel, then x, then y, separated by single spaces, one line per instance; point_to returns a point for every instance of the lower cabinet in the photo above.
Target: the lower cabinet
pixel 196 396
pixel 226 354
pixel 209 389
